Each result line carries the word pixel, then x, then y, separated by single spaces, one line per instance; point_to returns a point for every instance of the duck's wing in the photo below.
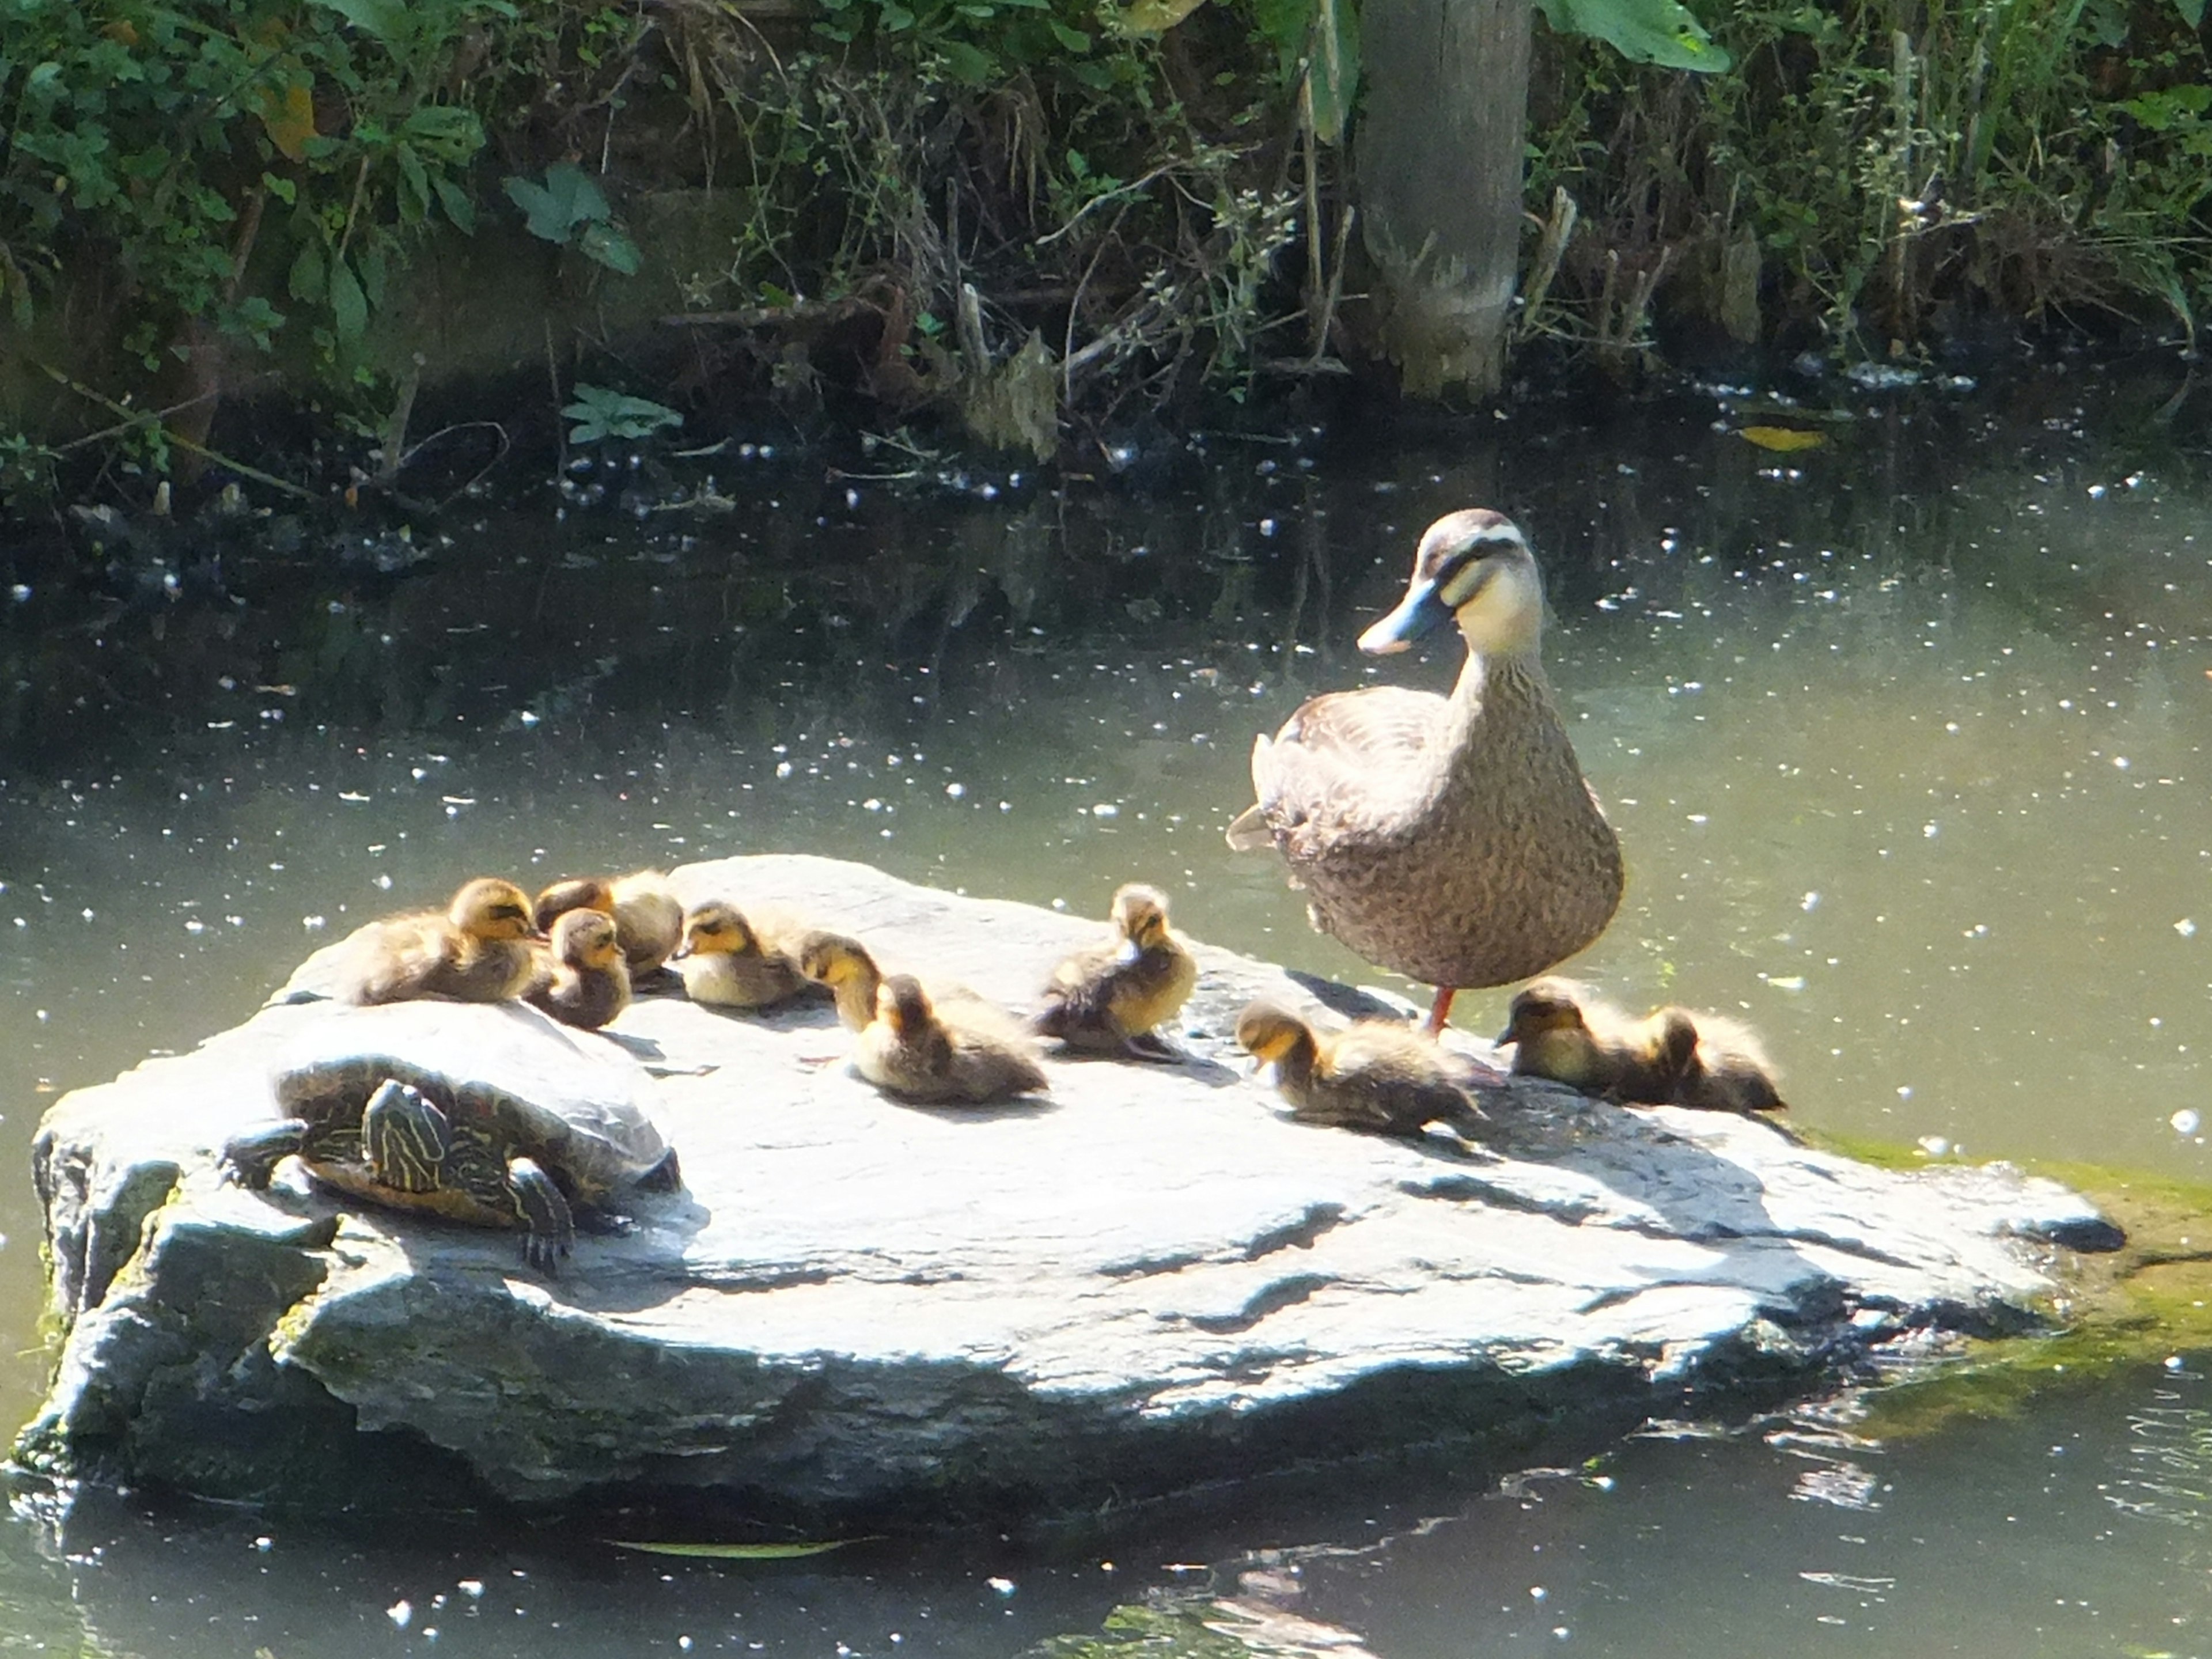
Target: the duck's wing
pixel 1348 757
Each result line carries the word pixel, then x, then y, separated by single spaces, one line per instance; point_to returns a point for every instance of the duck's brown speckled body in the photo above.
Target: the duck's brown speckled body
pixel 911 1050
pixel 584 981
pixel 476 950
pixel 1450 839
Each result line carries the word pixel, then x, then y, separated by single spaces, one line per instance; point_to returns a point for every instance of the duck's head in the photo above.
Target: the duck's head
pixel 1140 916
pixel 586 940
pixel 903 1005
pixel 493 911
pixel 1547 1007
pixel 1271 1034
pixel 1675 1041
pixel 1474 567
pixel 574 893
pixel 716 929
pixel 832 959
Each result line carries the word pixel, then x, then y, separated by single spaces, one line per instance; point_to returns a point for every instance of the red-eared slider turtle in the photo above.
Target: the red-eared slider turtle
pixel 403 1135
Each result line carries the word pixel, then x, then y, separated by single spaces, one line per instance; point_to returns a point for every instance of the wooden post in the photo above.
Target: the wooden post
pixel 1438 154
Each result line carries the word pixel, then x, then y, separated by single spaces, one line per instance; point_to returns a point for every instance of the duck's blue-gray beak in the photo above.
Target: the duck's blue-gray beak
pixel 1421 609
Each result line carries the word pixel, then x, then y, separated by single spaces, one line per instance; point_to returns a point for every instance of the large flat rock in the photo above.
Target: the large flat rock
pixel 858 1312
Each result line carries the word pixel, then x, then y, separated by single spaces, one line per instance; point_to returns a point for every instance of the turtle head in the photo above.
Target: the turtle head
pixel 586 940
pixel 1140 915
pixel 1472 567
pixel 494 911
pixel 717 929
pixel 903 1005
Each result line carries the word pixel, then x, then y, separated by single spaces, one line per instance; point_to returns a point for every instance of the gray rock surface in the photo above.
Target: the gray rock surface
pixel 860 1311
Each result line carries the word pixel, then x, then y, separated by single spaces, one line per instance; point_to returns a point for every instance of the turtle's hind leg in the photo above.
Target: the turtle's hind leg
pixel 406 1138
pixel 550 1226
pixel 251 1159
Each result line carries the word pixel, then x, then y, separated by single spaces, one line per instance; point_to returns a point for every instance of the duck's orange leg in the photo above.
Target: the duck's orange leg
pixel 1441 1010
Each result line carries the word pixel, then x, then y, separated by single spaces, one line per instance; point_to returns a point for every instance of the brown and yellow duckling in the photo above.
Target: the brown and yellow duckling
pixel 1559 1031
pixel 911 1050
pixel 1379 1075
pixel 584 981
pixel 1109 997
pixel 844 965
pixel 648 916
pixel 1672 1057
pixel 1727 1070
pixel 475 950
pixel 726 963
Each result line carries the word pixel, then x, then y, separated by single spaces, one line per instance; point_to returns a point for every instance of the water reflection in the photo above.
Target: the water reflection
pixel 1903 741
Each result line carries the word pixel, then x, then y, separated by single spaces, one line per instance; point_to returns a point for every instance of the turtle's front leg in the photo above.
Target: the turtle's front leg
pixel 251 1159
pixel 404 1138
pixel 550 1226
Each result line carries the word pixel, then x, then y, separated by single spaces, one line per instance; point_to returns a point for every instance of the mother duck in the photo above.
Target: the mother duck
pixel 1449 839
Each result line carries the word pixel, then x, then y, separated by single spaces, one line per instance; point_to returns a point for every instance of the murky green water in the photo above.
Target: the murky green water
pixel 1905 738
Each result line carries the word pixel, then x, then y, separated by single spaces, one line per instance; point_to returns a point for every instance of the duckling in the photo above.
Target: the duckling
pixel 1378 1075
pixel 844 965
pixel 1561 1032
pixel 724 962
pixel 586 983
pixel 476 950
pixel 1109 997
pixel 648 916
pixel 1725 1070
pixel 911 1050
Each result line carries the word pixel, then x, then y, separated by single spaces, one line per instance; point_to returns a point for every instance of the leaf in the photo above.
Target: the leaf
pixel 967 64
pixel 2192 12
pixel 566 199
pixel 1642 31
pixel 1147 17
pixel 1073 39
pixel 604 245
pixel 458 208
pixel 289 116
pixel 308 279
pixel 1782 440
pixel 349 305
pixel 383 20
pixel 738 1552
pixel 1332 70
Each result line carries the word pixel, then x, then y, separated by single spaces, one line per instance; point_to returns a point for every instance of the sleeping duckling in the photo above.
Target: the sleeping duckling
pixel 726 962
pixel 1378 1075
pixel 1561 1032
pixel 587 982
pixel 1109 997
pixel 648 916
pixel 844 965
pixel 1726 1071
pixel 476 950
pixel 909 1049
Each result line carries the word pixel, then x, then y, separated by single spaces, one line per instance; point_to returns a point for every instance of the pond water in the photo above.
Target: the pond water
pixel 1905 737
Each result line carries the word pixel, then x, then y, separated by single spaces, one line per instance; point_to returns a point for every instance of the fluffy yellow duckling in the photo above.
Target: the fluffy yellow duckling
pixel 1109 997
pixel 585 981
pixel 844 965
pixel 476 950
pixel 911 1050
pixel 1378 1075
pixel 1726 1071
pixel 648 915
pixel 1561 1032
pixel 725 962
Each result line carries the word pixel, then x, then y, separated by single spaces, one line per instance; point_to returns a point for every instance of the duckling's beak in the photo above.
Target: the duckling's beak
pixel 540 935
pixel 1421 609
pixel 1504 1037
pixel 1129 952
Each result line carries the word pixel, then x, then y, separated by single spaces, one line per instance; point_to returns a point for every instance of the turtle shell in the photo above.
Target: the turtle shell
pixel 512 1082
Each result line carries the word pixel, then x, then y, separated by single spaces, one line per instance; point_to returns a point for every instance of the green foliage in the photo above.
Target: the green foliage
pixel 569 207
pixel 600 413
pixel 1879 162
pixel 1659 32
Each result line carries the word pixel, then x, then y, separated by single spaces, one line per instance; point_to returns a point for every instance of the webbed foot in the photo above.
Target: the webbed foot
pixel 1151 1046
